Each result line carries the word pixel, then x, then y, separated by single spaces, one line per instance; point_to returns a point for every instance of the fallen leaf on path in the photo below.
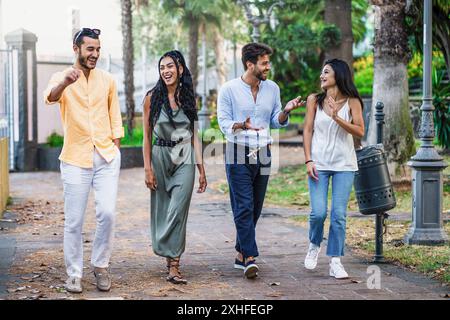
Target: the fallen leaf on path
pixel 275 294
pixel 275 284
pixel 356 281
pixel 176 290
pixel 106 298
pixel 157 294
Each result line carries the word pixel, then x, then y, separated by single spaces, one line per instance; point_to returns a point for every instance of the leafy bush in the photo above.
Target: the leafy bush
pixel 136 139
pixel 55 140
pixel 214 122
pixel 364 67
pixel 364 74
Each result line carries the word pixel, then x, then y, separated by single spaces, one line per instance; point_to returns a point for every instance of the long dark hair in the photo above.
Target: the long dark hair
pixel 184 93
pixel 344 81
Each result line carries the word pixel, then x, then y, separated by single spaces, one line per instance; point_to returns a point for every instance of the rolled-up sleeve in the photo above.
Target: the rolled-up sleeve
pixel 115 114
pixel 225 111
pixel 55 80
pixel 276 111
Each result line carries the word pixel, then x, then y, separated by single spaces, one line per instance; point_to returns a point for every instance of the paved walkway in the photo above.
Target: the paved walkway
pixel 32 265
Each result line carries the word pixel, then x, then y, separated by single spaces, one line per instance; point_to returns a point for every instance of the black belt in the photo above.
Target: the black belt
pixel 166 143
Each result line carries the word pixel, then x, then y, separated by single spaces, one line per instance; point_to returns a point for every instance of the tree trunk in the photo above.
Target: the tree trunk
pixel 339 13
pixel 220 57
pixel 128 61
pixel 193 48
pixel 391 82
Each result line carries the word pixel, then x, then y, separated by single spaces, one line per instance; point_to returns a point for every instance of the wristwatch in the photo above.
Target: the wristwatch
pixel 286 113
pixel 244 125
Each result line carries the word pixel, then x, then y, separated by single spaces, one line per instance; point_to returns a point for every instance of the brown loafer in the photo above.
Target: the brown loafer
pixel 103 279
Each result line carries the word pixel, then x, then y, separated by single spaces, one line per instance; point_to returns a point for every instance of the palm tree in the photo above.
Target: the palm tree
pixel 128 61
pixel 229 26
pixel 391 55
pixel 194 30
pixel 219 51
pixel 193 14
pixel 339 13
pixel 441 26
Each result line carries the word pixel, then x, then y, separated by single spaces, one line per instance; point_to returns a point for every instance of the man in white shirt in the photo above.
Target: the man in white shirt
pixel 248 107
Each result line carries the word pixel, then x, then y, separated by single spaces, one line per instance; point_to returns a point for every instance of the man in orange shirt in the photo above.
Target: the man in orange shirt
pixel 92 123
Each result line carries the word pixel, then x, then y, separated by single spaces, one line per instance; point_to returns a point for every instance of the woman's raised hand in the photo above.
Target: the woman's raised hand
pixel 333 108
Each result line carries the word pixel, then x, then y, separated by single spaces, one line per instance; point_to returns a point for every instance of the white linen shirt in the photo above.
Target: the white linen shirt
pixel 236 103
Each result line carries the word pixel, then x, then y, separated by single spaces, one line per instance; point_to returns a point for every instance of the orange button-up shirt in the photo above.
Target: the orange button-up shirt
pixel 91 117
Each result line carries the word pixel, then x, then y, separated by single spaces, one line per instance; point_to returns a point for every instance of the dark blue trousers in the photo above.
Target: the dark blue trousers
pixel 247 181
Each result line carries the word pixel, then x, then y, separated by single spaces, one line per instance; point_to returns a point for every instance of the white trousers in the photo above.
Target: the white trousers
pixel 104 178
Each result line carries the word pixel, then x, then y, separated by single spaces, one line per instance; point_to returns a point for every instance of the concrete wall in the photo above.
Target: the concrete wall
pixel 49 118
pixel 4 174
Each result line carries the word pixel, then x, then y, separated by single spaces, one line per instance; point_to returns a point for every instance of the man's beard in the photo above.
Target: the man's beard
pixel 83 62
pixel 260 76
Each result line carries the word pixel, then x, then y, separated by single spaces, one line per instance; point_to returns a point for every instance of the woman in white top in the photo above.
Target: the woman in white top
pixel 333 118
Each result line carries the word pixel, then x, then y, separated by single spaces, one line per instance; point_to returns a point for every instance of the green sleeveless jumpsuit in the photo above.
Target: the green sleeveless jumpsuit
pixel 174 169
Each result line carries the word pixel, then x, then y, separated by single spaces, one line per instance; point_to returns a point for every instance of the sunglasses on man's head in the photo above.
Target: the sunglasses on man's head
pixel 87 32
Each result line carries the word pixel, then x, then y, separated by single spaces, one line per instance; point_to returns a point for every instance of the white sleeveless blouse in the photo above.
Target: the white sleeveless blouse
pixel 332 147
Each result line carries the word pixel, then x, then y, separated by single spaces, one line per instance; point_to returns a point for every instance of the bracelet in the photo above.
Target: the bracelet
pixel 309 161
pixel 286 112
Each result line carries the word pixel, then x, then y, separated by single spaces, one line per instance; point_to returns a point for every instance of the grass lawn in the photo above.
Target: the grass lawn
pixel 135 140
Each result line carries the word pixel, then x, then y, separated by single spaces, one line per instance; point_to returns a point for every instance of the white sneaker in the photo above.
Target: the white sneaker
pixel 73 285
pixel 312 256
pixel 337 269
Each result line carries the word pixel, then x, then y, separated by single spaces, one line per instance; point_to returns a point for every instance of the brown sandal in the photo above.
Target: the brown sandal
pixel 175 278
pixel 168 265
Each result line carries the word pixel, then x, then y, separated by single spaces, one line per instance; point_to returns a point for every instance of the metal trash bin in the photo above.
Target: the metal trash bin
pixel 373 187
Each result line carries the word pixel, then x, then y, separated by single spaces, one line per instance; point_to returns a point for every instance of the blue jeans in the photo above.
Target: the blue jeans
pixel 342 182
pixel 248 184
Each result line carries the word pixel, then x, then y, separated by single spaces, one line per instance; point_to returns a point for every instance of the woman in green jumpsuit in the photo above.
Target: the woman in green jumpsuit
pixel 171 152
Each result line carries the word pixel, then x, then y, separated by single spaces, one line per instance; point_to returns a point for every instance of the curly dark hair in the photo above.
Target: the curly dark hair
pixel 184 94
